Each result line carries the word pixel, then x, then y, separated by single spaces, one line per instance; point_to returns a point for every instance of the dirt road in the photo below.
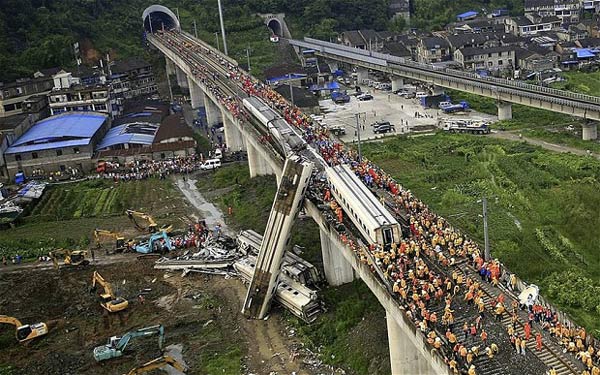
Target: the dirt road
pixel 514 136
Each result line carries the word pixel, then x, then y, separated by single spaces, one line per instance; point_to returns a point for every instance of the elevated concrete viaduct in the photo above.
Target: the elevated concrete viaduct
pixel 409 351
pixel 505 92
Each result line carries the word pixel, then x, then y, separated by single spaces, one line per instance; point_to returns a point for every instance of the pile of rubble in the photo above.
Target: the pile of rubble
pixel 214 256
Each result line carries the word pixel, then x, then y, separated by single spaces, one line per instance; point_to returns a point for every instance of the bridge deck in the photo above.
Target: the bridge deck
pixel 514 91
pixel 239 83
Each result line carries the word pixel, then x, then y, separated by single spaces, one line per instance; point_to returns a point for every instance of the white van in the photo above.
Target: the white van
pixel 421 94
pixel 218 153
pixel 210 164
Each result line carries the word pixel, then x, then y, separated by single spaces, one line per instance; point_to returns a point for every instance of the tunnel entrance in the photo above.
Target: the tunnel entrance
pixel 157 17
pixel 275 27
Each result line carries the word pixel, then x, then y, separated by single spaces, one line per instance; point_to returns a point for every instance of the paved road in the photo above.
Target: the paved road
pixel 514 136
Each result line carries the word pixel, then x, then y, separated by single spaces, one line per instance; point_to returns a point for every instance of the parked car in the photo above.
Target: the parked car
pixel 383 128
pixel 364 97
pixel 210 164
pixel 338 130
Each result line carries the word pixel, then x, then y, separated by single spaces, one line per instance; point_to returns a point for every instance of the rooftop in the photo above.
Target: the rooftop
pixel 140 133
pixel 173 126
pixel 64 130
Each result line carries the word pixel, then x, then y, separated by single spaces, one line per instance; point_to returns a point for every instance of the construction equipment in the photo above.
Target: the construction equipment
pixel 158 363
pixel 158 241
pixel 110 302
pixel 102 233
pixel 152 226
pixel 25 332
pixel 116 345
pixel 70 258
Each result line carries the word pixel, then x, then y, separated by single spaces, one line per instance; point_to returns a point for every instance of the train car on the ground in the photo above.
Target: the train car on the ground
pixel 297 298
pixel 293 266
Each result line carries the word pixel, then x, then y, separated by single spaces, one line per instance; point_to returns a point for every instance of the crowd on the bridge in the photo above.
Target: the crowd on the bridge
pixel 422 269
pixel 144 169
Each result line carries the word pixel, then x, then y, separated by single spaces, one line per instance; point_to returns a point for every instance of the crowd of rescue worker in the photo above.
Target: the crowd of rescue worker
pixel 432 242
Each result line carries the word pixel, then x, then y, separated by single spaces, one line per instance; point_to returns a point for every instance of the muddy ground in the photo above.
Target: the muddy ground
pixel 200 312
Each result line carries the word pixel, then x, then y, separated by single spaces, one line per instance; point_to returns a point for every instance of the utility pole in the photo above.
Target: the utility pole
pixel 169 80
pixel 222 27
pixel 248 57
pixel 487 255
pixel 195 29
pixel 357 115
pixel 217 38
pixel 290 85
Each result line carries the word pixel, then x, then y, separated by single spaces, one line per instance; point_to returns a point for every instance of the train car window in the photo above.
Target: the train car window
pixel 388 236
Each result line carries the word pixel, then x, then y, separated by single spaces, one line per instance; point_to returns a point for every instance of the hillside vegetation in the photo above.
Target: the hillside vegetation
pixel 37 34
pixel 543 207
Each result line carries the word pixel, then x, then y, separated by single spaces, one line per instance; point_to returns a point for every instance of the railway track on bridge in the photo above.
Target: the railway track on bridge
pixel 380 61
pixel 551 354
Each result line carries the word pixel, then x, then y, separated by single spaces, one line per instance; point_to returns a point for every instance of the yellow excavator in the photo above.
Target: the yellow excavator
pixel 25 332
pixel 158 363
pixel 103 233
pixel 70 258
pixel 152 226
pixel 110 302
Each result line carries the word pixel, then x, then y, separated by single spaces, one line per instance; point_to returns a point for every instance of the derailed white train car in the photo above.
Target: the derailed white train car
pixel 298 269
pixel 298 299
pixel 285 135
pixel 369 216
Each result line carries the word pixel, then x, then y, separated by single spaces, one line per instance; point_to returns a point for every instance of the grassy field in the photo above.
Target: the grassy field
pixel 67 214
pixel 585 83
pixel 523 116
pixel 352 332
pixel 543 207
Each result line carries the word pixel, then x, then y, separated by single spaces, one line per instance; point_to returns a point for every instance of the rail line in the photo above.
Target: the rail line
pixel 550 355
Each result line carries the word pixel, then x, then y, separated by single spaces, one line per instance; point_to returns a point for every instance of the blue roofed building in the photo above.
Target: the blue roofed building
pixel 60 143
pixel 467 16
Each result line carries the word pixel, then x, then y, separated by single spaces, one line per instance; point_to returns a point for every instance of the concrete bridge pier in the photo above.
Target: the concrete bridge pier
pixel 361 75
pixel 233 137
pixel 257 164
pixel 338 271
pixel 196 94
pixel 437 90
pixel 333 65
pixel 404 359
pixel 504 111
pixel 182 79
pixel 170 66
pixel 589 131
pixel 213 112
pixel 397 83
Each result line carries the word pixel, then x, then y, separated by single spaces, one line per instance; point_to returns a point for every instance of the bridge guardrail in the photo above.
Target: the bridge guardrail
pixel 335 48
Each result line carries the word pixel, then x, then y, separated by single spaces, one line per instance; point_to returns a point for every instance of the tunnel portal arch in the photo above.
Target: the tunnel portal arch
pixel 275 27
pixel 157 16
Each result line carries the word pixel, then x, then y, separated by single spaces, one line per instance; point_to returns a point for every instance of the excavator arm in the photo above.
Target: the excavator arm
pixel 103 233
pixel 117 345
pixel 25 332
pixel 152 225
pixel 158 363
pixel 109 301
